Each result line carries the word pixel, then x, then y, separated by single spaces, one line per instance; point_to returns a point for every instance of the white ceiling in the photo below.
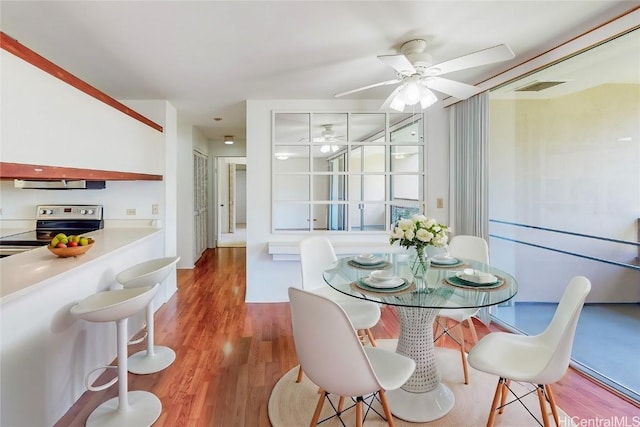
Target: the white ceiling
pixel 208 57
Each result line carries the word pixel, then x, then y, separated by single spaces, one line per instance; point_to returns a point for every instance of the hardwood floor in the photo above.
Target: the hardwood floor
pixel 230 355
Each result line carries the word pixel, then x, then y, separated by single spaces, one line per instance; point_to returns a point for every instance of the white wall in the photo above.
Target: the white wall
pixel 46 121
pixel 268 280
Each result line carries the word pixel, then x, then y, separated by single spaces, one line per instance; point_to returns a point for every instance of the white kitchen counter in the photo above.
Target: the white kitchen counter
pixel 45 352
pixel 31 270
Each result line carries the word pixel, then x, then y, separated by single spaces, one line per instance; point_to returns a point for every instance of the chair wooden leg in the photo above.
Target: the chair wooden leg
pixel 299 378
pixel 359 412
pixel 460 338
pixel 472 328
pixel 552 403
pixel 316 414
pixel 341 404
pixel 494 404
pixel 385 407
pixel 505 393
pixel 436 329
pixel 543 409
pixel 371 338
pixel 362 334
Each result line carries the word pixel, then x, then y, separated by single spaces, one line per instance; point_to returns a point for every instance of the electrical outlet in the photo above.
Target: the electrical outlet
pixel 154 209
pixel 440 202
pixel 131 211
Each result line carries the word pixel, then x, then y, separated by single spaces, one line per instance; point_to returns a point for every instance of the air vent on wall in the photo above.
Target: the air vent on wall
pixel 538 86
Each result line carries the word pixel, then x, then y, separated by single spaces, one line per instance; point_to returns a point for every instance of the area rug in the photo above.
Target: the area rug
pixel 292 404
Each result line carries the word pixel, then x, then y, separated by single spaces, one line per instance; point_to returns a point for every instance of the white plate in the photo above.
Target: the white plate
pixel 476 277
pixel 445 260
pixel 386 284
pixel 368 260
pixel 382 276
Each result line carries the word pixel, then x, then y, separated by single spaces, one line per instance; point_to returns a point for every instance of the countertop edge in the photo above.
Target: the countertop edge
pixel 40 267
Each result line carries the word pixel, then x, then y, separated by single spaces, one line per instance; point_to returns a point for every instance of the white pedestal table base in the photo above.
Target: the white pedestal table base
pixel 423 397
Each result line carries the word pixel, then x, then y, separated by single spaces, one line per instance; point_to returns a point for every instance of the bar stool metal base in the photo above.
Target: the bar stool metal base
pixel 145 362
pixel 143 410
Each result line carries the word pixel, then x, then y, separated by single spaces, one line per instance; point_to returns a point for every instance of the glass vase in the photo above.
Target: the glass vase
pixel 420 264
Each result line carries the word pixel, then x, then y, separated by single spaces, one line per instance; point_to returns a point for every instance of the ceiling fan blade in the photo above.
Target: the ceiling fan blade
pixel 490 55
pixel 451 87
pixel 388 82
pixel 400 63
pixel 387 102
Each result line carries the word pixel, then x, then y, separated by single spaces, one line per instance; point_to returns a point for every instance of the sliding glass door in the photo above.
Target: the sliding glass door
pixel 565 201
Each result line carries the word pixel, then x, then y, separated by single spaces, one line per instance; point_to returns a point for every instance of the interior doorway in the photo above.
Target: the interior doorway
pixel 231 201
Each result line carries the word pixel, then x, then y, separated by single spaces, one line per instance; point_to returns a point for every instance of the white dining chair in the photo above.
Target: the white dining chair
pixel 332 356
pixel 450 320
pixel 316 253
pixel 539 359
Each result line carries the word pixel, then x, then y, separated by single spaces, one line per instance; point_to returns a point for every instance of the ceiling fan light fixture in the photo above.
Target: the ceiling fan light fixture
pixel 427 98
pixel 411 93
pixel 228 139
pixel 325 149
pixel 398 102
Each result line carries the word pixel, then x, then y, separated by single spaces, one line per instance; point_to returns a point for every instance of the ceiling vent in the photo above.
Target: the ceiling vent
pixel 538 86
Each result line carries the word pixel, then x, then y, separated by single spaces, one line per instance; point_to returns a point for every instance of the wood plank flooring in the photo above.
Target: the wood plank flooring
pixel 230 355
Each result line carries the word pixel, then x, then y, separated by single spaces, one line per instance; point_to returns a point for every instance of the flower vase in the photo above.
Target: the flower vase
pixel 420 267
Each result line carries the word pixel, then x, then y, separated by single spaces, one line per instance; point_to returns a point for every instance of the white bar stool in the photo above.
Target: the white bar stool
pixel 130 408
pixel 148 273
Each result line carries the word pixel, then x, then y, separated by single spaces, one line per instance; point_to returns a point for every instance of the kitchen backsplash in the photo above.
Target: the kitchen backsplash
pixel 122 200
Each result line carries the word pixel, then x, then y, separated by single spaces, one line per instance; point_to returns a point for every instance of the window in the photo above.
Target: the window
pixel 345 171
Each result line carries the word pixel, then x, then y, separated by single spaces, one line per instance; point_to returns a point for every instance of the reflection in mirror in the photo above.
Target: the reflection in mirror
pixel 406 187
pixel 323 153
pixel 291 127
pixel 290 217
pixel 367 217
pixel 403 209
pixel 289 158
pixel 330 216
pixel 367 127
pixel 367 188
pixel 345 171
pixel 406 158
pixel 286 187
pixel 406 127
pixel 329 128
pixel 365 158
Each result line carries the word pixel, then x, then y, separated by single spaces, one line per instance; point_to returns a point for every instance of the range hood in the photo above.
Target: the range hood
pixel 59 184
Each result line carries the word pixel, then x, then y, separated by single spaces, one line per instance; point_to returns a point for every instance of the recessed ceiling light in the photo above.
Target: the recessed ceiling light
pixel 228 139
pixel 282 156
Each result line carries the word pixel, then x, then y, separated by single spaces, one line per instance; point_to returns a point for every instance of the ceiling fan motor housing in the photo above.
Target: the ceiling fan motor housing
pixel 414 50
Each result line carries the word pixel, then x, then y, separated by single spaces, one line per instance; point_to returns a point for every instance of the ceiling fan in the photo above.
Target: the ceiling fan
pixel 328 135
pixel 417 74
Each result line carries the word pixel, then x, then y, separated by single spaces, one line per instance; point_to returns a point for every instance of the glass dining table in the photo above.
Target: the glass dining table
pixel 423 397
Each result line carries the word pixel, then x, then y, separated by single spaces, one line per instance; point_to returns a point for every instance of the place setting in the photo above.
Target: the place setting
pixel 474 279
pixel 369 262
pixel 384 282
pixel 446 261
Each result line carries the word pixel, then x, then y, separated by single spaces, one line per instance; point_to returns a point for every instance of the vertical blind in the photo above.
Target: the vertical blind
pixel 469 166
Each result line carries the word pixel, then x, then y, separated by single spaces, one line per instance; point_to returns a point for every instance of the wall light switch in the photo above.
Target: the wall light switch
pixel 440 202
pixel 154 209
